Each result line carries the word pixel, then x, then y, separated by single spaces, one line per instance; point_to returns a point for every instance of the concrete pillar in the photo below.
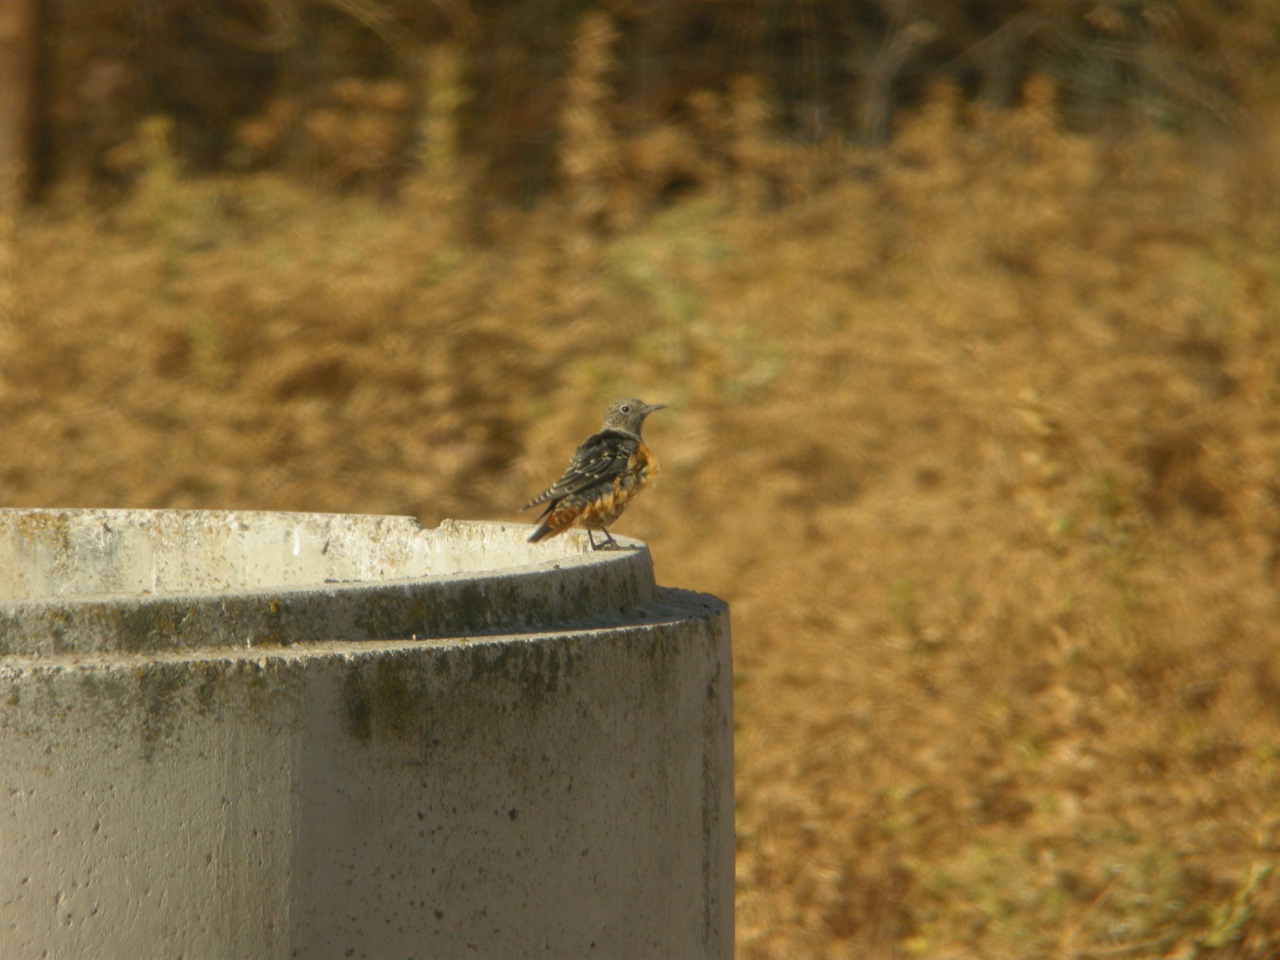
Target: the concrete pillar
pixel 296 735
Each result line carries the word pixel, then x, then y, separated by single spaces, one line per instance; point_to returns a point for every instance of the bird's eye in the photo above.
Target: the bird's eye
pixel 625 408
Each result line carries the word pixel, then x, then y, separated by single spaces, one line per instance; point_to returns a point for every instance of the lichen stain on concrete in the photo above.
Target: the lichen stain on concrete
pixel 41 550
pixel 159 689
pixel 61 624
pixel 472 605
pixel 148 627
pixel 539 669
pixel 388 697
pixel 357 708
pixel 160 695
pixel 38 526
pixel 443 667
pixel 266 626
pixel 11 633
pixel 110 688
pixel 397 617
pixel 397 696
pixel 207 676
pixel 29 524
pixel 663 652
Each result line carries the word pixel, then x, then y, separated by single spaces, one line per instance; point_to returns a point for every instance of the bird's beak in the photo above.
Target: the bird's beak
pixel 651 407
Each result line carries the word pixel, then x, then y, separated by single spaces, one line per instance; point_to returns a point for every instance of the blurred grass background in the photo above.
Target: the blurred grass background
pixel 968 321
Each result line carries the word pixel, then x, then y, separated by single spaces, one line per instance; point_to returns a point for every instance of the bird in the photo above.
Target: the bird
pixel 607 471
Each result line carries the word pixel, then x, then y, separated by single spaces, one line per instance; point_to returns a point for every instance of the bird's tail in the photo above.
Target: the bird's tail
pixel 541 533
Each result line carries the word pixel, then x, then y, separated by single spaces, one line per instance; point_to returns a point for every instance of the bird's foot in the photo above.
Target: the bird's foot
pixel 608 544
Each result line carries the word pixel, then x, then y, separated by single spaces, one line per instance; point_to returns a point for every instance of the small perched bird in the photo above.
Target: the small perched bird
pixel 605 474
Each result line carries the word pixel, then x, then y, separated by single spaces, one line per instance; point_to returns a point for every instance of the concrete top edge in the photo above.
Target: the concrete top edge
pixel 142 580
pixel 47 554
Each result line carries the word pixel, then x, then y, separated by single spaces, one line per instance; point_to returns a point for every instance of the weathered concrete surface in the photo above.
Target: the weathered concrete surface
pixel 561 792
pixel 153 580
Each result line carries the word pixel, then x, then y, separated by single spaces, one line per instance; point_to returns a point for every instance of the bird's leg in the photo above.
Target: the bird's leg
pixel 609 542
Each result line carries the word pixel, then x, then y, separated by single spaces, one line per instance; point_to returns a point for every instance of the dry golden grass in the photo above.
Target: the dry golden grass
pixel 978 436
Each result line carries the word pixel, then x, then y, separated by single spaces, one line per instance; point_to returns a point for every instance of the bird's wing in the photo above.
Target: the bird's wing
pixel 601 456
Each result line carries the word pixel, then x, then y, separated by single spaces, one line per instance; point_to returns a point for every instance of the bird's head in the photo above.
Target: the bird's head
pixel 628 415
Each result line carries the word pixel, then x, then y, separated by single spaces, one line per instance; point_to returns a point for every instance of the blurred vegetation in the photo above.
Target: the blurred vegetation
pixel 977 430
pixel 333 88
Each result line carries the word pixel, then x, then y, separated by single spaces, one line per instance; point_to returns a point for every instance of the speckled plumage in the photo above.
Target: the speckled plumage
pixel 608 470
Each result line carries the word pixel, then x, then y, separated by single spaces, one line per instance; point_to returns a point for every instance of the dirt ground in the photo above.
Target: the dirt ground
pixel 977 435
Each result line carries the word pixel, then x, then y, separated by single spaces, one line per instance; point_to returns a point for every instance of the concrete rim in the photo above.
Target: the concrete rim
pixel 75 582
